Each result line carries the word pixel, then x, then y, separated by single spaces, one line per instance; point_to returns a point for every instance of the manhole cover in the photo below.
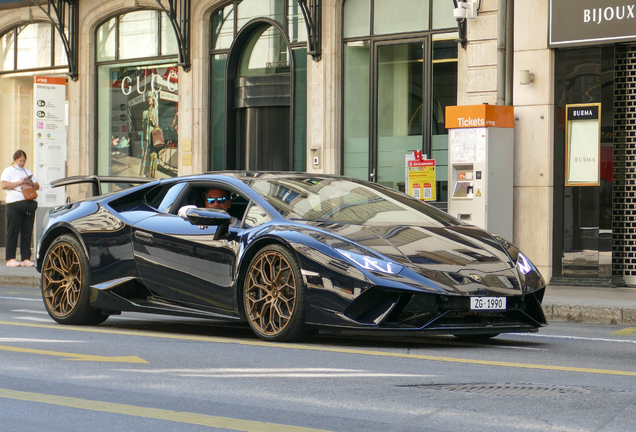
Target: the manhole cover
pixel 515 389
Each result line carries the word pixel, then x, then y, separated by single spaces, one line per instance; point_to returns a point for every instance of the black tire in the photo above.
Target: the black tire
pixel 274 296
pixel 66 283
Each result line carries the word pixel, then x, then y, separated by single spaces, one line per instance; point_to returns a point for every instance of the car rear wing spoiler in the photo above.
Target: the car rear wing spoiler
pixel 98 180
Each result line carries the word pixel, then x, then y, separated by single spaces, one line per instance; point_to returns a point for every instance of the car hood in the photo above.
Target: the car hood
pixel 461 259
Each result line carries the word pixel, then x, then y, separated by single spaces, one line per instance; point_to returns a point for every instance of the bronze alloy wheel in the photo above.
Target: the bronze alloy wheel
pixel 270 293
pixel 61 279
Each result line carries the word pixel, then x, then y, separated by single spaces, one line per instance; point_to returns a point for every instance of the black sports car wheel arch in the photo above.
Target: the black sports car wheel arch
pixel 66 283
pixel 273 296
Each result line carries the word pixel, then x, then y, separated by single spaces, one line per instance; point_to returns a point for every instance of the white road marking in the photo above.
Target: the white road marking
pixel 273 373
pixel 4 340
pixel 30 311
pixel 21 298
pixel 302 375
pixel 572 337
pixel 46 320
pixel 46 313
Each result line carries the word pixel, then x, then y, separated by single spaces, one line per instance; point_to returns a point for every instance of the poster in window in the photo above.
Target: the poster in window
pixel 583 145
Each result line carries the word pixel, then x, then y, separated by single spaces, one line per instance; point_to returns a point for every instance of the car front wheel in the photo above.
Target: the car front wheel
pixel 274 296
pixel 65 283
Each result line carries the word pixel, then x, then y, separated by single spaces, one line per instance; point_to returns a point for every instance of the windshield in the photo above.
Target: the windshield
pixel 347 201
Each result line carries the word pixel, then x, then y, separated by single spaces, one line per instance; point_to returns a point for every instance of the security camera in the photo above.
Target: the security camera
pixel 465 10
pixel 459 13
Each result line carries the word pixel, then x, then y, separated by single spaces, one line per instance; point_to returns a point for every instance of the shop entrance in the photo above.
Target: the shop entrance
pixel 592 223
pixel 263 123
pixel 259 124
pixel 265 137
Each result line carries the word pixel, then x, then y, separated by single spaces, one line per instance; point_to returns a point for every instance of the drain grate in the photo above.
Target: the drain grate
pixel 515 389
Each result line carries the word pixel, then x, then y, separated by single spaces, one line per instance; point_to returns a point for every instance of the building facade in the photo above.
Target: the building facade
pixel 333 86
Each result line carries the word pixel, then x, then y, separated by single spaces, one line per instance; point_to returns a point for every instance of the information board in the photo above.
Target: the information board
pixel 421 179
pixel 49 137
pixel 583 145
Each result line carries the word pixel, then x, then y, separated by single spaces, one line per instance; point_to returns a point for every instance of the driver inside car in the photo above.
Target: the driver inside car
pixel 217 199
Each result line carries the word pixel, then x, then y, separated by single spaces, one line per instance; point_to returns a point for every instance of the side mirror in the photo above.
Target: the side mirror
pixel 208 217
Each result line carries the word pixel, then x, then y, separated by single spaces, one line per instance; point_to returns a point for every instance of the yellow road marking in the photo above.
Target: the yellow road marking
pixel 327 349
pixel 625 332
pixel 154 413
pixel 74 356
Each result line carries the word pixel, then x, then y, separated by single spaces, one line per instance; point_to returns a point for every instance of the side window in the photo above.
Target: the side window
pixel 256 216
pixel 163 197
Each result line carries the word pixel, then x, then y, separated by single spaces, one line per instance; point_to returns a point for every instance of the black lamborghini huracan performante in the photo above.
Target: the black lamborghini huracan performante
pixel 294 253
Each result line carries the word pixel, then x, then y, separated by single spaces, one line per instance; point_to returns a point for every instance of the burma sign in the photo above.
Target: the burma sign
pixel 585 22
pixel 583 145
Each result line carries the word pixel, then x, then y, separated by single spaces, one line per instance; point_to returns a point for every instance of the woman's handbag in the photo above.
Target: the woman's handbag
pixel 29 193
pixel 157 138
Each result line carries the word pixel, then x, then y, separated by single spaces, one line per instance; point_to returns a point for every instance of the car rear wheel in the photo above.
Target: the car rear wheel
pixel 274 296
pixel 65 283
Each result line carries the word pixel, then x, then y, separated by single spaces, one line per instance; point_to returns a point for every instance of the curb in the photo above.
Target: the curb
pixel 22 281
pixel 589 314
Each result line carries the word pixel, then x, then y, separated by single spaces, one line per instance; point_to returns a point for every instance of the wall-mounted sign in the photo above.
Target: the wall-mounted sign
pixel 484 115
pixel 583 145
pixel 420 176
pixel 421 179
pixel 587 22
pixel 49 136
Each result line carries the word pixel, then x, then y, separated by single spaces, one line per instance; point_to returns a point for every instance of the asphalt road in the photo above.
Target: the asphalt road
pixel 150 373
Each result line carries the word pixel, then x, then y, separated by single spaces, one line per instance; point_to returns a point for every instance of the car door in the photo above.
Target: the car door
pixel 183 262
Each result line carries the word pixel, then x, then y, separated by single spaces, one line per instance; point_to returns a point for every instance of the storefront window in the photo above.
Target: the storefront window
pixel 443 14
pixel 444 92
pixel 267 55
pixel 395 91
pixel 356 110
pixel 399 125
pixel 138 35
pixel 60 53
pixel 138 101
pixel 250 9
pixel 357 21
pixel 34 48
pixel 106 41
pixel 296 21
pixel 34 42
pixel 7 61
pixel 33 105
pixel 300 109
pixel 223 27
pixel 400 16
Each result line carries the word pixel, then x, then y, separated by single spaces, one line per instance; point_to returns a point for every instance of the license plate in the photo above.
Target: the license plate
pixel 488 303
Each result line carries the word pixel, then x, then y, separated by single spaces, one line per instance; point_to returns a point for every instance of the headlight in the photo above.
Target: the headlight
pixel 371 263
pixel 523 264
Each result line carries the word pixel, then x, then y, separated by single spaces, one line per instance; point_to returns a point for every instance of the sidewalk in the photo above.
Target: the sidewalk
pixel 561 303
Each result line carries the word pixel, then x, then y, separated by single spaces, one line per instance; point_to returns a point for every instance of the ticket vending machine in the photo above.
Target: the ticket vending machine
pixel 481 166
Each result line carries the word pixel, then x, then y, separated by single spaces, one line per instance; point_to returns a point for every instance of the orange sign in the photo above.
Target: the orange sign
pixel 473 116
pixel 49 80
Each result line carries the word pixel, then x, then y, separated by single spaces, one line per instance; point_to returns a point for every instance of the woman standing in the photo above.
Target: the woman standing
pixel 20 212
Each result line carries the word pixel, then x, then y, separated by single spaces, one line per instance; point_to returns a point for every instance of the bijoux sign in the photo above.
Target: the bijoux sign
pixel 586 22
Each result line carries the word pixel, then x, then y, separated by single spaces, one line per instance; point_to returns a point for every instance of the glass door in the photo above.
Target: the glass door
pixel 398 109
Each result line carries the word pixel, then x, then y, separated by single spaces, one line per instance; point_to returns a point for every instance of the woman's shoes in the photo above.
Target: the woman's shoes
pixel 15 263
